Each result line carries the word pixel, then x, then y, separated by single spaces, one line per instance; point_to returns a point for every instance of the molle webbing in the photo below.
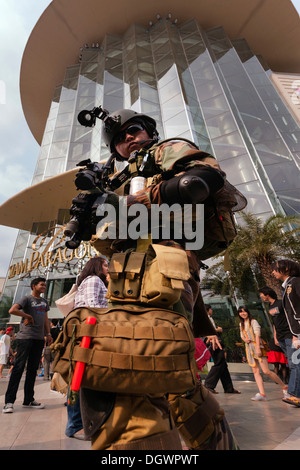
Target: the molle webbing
pixel 130 332
pixel 129 362
pixel 100 358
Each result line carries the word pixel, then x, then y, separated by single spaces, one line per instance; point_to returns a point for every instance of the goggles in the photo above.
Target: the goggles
pixel 131 130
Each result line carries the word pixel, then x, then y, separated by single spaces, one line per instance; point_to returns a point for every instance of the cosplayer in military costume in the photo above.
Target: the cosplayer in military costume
pixel 176 171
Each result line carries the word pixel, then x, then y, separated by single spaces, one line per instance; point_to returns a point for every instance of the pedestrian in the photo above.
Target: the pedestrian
pixel 54 328
pixel 288 271
pixel 92 289
pixel 282 334
pixel 158 173
pixel 92 284
pixel 219 371
pixel 48 355
pixel 279 360
pixel 256 353
pixel 30 342
pixel 5 348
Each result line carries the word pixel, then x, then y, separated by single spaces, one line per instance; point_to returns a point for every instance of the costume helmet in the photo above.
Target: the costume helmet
pixel 114 121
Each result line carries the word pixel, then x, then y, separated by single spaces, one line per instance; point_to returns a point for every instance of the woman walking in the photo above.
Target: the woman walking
pixel 256 353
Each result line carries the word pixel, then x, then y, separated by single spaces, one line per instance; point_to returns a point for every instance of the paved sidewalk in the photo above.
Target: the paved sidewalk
pixel 270 425
pixel 28 429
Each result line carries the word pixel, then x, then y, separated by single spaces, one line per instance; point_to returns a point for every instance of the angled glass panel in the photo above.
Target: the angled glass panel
pixel 207 90
pixel 220 125
pixel 64 119
pixel 170 90
pixel 61 133
pixel 290 201
pixel 214 106
pixel 273 152
pixel 202 68
pixel 259 129
pixel 176 126
pixel 78 152
pixel 162 66
pixel 67 94
pixel 87 89
pixel 172 107
pixel 284 177
pixel 59 149
pixel 292 139
pixel 54 167
pixel 239 169
pixel 44 152
pixel 228 146
pixel 40 167
pixel 256 197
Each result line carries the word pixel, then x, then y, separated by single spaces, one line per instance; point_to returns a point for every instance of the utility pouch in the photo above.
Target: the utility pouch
pixel 126 271
pixel 133 275
pixel 165 270
pixel 117 276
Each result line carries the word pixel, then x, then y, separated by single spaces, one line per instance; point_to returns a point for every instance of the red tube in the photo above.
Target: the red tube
pixel 79 368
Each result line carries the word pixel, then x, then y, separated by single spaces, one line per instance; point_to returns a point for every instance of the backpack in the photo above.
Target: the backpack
pixel 133 350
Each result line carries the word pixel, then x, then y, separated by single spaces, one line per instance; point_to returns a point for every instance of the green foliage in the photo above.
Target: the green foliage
pixel 255 247
pixel 5 305
pixel 266 241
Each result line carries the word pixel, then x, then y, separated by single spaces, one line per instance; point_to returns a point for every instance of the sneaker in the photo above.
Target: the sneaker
pixel 259 397
pixel 79 435
pixel 8 408
pixel 292 401
pixel 286 394
pixel 34 404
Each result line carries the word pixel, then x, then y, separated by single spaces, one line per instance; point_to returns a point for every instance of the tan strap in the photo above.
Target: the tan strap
pixel 134 264
pixel 158 333
pixel 196 423
pixel 107 359
pixel 117 264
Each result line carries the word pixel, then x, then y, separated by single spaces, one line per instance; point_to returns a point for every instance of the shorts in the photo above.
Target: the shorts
pixel 3 359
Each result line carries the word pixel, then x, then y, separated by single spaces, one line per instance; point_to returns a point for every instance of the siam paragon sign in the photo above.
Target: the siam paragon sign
pixel 47 253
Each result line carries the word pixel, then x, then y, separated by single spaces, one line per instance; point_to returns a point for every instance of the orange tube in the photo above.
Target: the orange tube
pixel 80 366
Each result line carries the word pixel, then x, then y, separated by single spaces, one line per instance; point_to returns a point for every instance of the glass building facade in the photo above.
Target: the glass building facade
pixel 196 84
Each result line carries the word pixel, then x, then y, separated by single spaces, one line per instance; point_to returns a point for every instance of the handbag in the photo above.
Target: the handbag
pixel 264 345
pixel 202 354
pixel 66 303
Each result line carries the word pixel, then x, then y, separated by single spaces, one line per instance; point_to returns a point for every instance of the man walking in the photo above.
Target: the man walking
pixel 30 342
pixel 288 271
pixel 219 370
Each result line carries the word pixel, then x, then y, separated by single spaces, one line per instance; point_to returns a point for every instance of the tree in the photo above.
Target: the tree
pixel 258 244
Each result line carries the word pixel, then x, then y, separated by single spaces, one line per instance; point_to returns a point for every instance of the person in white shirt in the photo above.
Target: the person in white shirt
pixel 5 348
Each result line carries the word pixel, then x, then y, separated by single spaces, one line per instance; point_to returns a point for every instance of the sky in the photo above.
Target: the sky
pixel 18 148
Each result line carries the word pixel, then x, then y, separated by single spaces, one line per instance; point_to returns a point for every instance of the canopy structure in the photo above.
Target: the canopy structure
pixel 40 202
pixel 271 28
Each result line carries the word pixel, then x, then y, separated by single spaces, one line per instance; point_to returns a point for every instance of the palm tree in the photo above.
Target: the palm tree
pixel 258 244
